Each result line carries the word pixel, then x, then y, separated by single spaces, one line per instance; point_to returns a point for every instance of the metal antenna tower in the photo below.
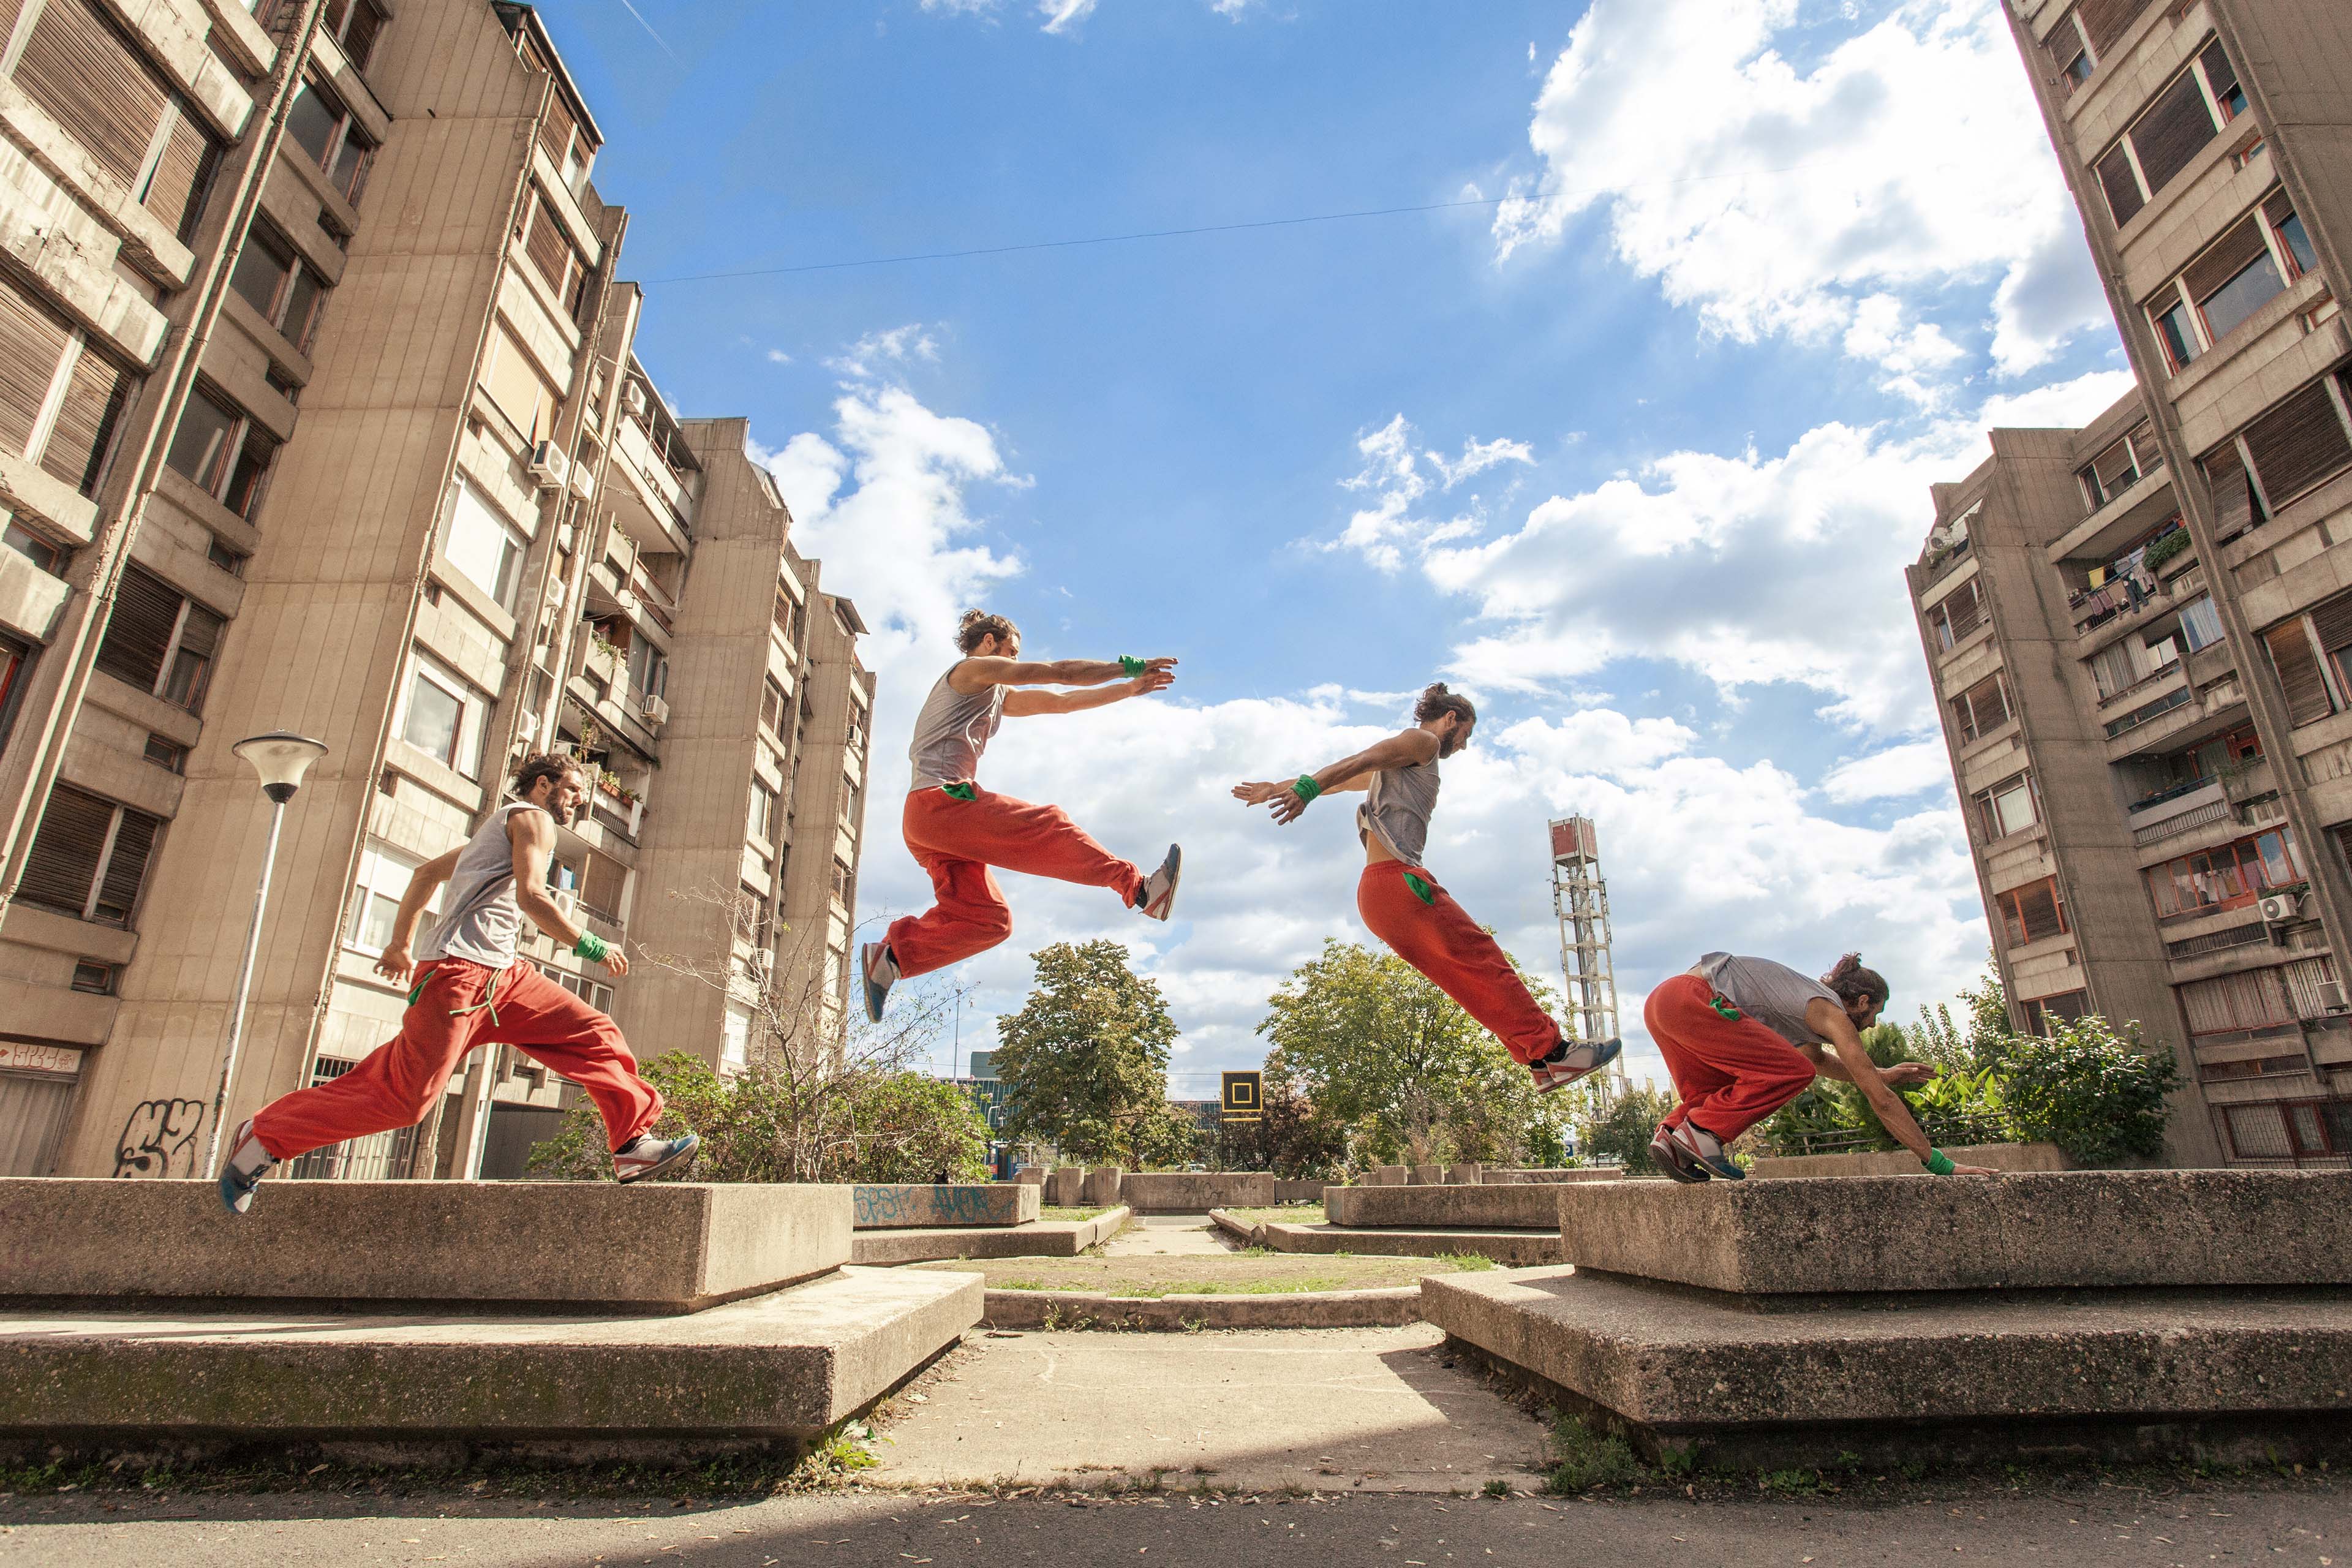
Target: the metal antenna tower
pixel 1580 897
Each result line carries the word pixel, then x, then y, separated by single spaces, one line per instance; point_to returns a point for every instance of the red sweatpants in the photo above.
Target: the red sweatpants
pixel 958 840
pixel 399 1081
pixel 1457 954
pixel 1730 1073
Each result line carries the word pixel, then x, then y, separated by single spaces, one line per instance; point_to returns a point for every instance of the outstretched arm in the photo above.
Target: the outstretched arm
pixel 1028 704
pixel 1402 750
pixel 977 675
pixel 1829 1021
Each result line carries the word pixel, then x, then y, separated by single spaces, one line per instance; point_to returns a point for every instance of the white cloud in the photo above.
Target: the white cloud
pixel 2063 405
pixel 960 7
pixel 1061 16
pixel 1477 457
pixel 1915 767
pixel 1775 201
pixel 778 356
pixel 876 353
pixel 1392 475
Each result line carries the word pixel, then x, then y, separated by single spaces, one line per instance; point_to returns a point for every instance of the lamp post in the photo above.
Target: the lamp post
pixel 281 758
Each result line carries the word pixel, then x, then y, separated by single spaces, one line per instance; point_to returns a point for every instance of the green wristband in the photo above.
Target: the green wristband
pixel 590 947
pixel 1306 789
pixel 1130 664
pixel 1940 1162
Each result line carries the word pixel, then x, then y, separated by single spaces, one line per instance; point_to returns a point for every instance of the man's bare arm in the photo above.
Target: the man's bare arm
pixel 1029 704
pixel 395 962
pixel 532 833
pixel 1403 750
pixel 976 675
pixel 1829 1021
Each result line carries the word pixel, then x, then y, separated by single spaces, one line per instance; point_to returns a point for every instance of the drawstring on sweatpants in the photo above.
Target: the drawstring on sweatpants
pixel 489 1002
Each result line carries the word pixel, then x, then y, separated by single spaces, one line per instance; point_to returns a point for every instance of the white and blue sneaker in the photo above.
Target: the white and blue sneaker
pixel 881 973
pixel 645 1155
pixel 1157 896
pixel 1566 1066
pixel 1697 1147
pixel 241 1172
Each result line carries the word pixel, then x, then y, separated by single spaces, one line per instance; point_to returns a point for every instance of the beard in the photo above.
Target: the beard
pixel 1452 743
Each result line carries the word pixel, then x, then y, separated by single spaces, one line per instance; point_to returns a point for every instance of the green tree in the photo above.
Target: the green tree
pixel 1290 1138
pixel 1376 1048
pixel 1085 1062
pixel 1620 1126
pixel 1985 1040
pixel 2091 1089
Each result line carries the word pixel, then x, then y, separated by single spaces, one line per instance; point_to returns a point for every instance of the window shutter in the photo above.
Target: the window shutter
pixel 1963 611
pixel 126 869
pixel 89 80
pixel 601 887
pixel 64 858
pixel 2064 46
pixel 201 634
pixel 359 43
pixel 548 247
pixel 2105 21
pixel 183 174
pixel 2220 74
pixel 2298 444
pixel 2298 672
pixel 2228 257
pixel 2233 499
pixel 30 341
pixel 2037 909
pixel 2116 178
pixel 2333 621
pixel 139 632
pixel 2279 208
pixel 96 391
pixel 555 131
pixel 2173 130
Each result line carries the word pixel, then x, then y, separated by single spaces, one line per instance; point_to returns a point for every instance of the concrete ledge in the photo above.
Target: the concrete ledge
pixel 1512 1248
pixel 1247 1231
pixel 1900 1162
pixel 594 1245
pixel 1485 1207
pixel 775 1371
pixel 1554 1176
pixel 2068 1230
pixel 1195 1191
pixel 1038 1238
pixel 1383 1308
pixel 2119 1376
pixel 896 1207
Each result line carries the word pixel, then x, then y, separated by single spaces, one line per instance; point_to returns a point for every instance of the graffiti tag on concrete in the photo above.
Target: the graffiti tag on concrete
pixel 885 1208
pixel 159 1139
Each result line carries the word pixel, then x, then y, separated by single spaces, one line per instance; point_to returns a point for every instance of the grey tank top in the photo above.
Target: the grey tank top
pixel 1398 807
pixel 1774 994
pixel 484 920
pixel 950 734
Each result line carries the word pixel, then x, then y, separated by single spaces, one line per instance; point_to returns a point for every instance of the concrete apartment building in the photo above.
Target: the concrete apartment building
pixel 321 410
pixel 2141 632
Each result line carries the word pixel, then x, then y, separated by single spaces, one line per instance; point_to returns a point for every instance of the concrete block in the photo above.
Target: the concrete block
pixel 1300 1192
pixel 1428 1176
pixel 1555 1177
pixel 1392 1175
pixel 1484 1207
pixel 776 1369
pixel 881 1207
pixel 1102 1185
pixel 1460 1174
pixel 1196 1191
pixel 1387 1307
pixel 1067 1188
pixel 2121 1376
pixel 1030 1175
pixel 664 1247
pixel 2062 1230
pixel 1039 1238
pixel 1512 1248
pixel 1900 1162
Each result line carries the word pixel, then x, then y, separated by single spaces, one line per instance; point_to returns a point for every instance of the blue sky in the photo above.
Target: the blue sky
pixel 1633 451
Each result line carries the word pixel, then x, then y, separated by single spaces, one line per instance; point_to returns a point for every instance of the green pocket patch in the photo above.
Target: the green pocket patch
pixel 1724 1010
pixel 1420 889
pixel 961 790
pixel 420 990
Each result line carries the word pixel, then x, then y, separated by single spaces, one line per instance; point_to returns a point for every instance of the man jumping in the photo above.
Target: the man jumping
pixel 1404 906
pixel 956 830
pixel 472 991
pixel 1743 1036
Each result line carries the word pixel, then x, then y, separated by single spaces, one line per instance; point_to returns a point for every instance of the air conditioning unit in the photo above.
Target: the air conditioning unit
pixel 2331 996
pixel 763 962
pixel 556 589
pixel 656 710
pixel 550 468
pixel 528 730
pixel 567 538
pixel 635 398
pixel 583 483
pixel 2278 909
pixel 567 900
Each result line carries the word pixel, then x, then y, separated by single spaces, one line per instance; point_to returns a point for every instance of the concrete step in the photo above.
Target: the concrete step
pixel 2051 1230
pixel 591 1246
pixel 1979 1377
pixel 1512 1248
pixel 1509 1206
pixel 1037 1239
pixel 769 1372
pixel 907 1208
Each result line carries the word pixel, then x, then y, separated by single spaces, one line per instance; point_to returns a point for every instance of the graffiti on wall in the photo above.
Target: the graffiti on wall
pixel 882 1207
pixel 159 1139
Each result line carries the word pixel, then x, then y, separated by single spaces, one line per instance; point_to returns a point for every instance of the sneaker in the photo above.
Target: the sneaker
pixel 1157 897
pixel 644 1155
pixel 1565 1066
pixel 1704 1149
pixel 881 973
pixel 241 1172
pixel 1671 1161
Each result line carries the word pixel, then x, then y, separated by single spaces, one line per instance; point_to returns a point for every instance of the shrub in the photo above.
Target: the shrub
pixel 1622 1127
pixel 2090 1091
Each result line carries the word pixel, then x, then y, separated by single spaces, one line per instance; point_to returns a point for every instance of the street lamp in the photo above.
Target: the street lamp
pixel 281 758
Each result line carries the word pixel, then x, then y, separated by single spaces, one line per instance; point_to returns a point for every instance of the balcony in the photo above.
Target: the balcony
pixel 2178 719
pixel 2176 811
pixel 663 491
pixel 2139 507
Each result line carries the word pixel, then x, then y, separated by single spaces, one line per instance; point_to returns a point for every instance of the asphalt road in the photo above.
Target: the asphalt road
pixel 2306 1525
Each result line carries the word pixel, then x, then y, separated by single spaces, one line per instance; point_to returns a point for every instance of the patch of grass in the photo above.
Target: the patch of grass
pixel 1468 1262
pixel 1791 1483
pixel 1072 1215
pixel 1499 1488
pixel 1583 1458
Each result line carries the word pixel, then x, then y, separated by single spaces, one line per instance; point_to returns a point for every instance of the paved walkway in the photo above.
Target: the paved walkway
pixel 1166 1236
pixel 1375 1409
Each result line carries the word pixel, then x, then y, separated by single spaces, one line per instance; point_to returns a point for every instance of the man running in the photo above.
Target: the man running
pixel 472 991
pixel 1743 1036
pixel 957 830
pixel 1404 906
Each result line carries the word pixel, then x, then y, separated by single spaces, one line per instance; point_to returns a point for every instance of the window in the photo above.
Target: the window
pixel 2070 52
pixel 2115 471
pixel 483 545
pixel 2170 133
pixel 841 876
pixel 2237 505
pixel 2297 445
pixel 2007 807
pixel 355 24
pixel 445 717
pixel 2233 280
pixel 2124 664
pixel 275 281
pixel 181 179
pixel 15 665
pixel 166 754
pixel 2031 912
pixel 2174 330
pixel 553 255
pixel 34 548
pixel 2231 1004
pixel 2229 875
pixel 88 858
pixel 159 641
pixel 322 126
pixel 761 823
pixel 80 68
pixel 735 1043
pixel 515 386
pixel 2200 623
pixel 2229 94
pixel 2297 663
pixel 227 560
pixel 567 142
pixel 375 896
pixel 94 979
pixel 38 348
pixel 787 616
pixel 2041 1011
pixel 1956 615
pixel 1981 708
pixel 222 451
pixel 771 707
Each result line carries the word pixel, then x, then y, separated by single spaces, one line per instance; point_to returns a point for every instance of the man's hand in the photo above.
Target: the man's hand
pixel 1257 793
pixel 1961 1170
pixel 394 964
pixel 1908 1075
pixel 1289 805
pixel 1156 677
pixel 616 963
